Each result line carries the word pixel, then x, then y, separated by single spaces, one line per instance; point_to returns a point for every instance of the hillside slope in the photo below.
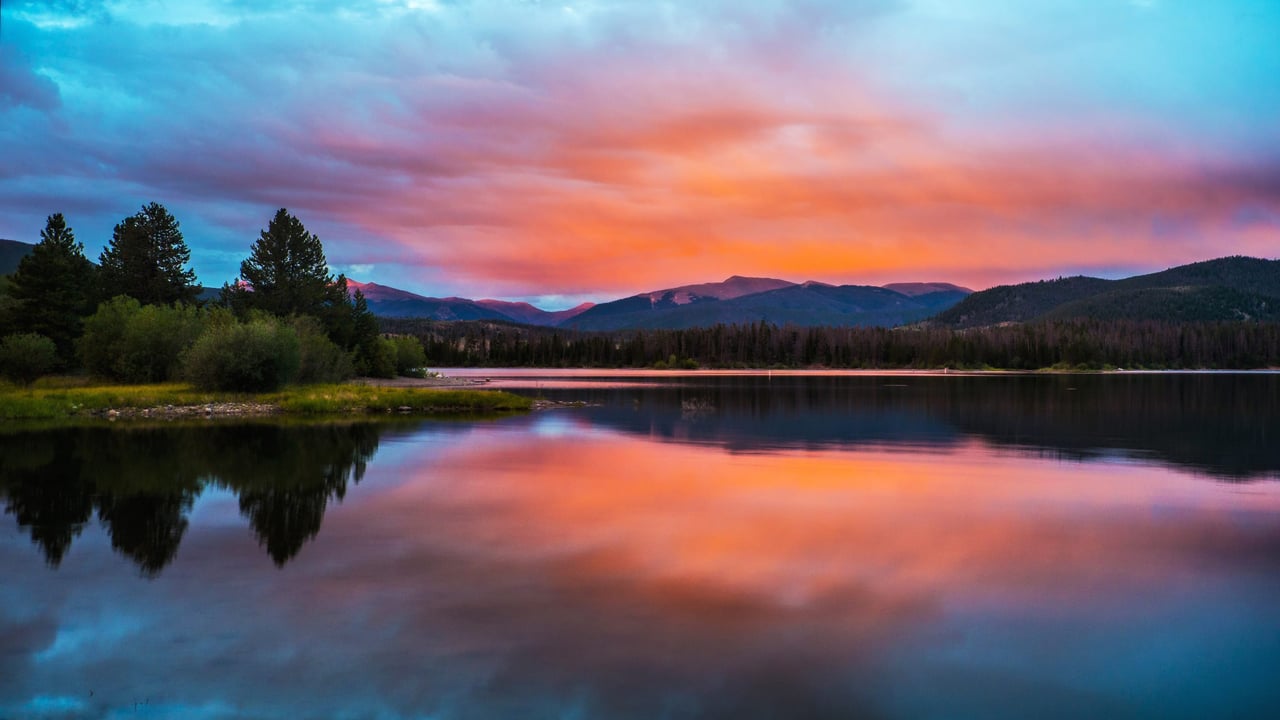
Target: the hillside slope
pixel 387 301
pixel 11 253
pixel 1230 288
pixel 531 314
pixel 651 309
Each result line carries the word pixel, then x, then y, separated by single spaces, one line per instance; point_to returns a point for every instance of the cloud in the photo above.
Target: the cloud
pixel 21 86
pixel 494 148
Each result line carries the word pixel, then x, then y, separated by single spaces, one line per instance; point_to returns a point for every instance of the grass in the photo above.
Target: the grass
pixel 319 399
pixel 59 398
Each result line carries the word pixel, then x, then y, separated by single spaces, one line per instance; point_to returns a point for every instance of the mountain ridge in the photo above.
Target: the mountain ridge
pixel 11 253
pixel 531 314
pixel 737 299
pixel 1228 288
pixel 808 304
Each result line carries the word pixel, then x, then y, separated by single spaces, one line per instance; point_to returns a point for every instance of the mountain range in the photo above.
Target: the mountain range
pixel 749 300
pixel 735 300
pixel 386 301
pixel 1230 288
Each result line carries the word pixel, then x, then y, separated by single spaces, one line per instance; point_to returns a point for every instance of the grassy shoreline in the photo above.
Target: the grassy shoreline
pixel 56 399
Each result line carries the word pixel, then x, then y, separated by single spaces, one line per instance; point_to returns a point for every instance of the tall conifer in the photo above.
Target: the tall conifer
pixel 54 287
pixel 147 259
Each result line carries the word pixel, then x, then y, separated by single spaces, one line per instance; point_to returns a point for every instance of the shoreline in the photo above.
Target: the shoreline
pixel 461 391
pixel 70 400
pixel 224 411
pixel 469 376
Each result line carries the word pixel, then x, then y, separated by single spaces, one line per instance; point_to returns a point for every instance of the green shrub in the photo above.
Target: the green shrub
pixel 103 339
pixel 378 358
pixel 155 340
pixel 257 356
pixel 25 357
pixel 320 359
pixel 384 364
pixel 127 341
pixel 410 356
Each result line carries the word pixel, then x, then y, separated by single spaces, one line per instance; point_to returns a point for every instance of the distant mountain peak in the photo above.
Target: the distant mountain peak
pixel 532 314
pixel 748 300
pixel 914 289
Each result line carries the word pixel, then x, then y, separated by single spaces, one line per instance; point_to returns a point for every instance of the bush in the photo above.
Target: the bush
pixel 320 359
pixel 257 356
pixel 127 341
pixel 410 357
pixel 103 339
pixel 25 357
pixel 377 358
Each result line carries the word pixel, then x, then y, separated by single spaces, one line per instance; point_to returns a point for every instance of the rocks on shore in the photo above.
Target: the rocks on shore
pixel 543 404
pixel 173 412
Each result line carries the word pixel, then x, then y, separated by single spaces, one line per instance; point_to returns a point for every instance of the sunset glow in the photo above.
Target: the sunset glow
pixel 597 149
pixel 810 527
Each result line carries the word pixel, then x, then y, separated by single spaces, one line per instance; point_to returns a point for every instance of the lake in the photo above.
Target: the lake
pixel 777 545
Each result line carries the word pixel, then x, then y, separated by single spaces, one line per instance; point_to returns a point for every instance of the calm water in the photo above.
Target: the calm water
pixel 688 547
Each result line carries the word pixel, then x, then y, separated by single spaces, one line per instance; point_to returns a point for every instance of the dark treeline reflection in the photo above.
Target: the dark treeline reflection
pixel 1225 425
pixel 142 482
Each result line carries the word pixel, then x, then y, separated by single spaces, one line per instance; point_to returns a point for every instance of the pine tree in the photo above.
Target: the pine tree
pixel 54 287
pixel 286 272
pixel 146 259
pixel 365 332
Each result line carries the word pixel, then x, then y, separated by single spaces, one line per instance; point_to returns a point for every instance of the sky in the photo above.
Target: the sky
pixel 566 151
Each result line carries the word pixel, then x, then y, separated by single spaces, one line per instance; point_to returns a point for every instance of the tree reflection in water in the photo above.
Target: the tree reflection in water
pixel 142 482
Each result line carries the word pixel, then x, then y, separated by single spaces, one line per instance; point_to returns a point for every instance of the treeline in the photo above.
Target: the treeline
pixel 1074 344
pixel 134 316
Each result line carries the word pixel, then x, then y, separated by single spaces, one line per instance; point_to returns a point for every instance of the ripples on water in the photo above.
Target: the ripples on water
pixel 713 546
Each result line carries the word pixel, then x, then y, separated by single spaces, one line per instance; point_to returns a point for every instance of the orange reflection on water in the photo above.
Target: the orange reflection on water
pixel 688 523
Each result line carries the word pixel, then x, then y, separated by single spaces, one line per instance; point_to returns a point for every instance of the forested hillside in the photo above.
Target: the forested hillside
pixel 1226 289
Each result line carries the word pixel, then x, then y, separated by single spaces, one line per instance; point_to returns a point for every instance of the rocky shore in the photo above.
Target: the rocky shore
pixel 174 412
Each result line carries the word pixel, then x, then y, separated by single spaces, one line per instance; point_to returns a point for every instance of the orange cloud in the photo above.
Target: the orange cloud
pixel 719 191
pixel 623 172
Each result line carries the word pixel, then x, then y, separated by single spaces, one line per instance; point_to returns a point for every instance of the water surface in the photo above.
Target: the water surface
pixel 688 547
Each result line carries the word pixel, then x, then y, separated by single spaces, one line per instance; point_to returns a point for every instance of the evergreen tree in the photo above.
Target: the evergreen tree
pixel 286 272
pixel 146 259
pixel 54 288
pixel 365 336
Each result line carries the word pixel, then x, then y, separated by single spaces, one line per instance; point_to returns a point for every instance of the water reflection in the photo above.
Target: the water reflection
pixel 550 567
pixel 1224 425
pixel 143 481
